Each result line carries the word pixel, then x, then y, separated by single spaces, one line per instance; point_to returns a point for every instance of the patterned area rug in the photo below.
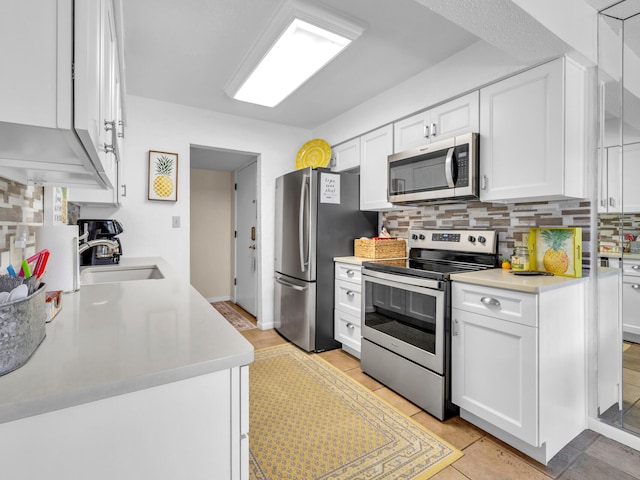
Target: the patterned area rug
pixel 233 317
pixel 309 420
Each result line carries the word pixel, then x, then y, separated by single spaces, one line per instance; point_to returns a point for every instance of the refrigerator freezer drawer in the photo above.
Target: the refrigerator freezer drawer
pixel 295 307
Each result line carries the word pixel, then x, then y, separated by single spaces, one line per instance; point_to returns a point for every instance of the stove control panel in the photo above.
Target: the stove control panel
pixel 480 241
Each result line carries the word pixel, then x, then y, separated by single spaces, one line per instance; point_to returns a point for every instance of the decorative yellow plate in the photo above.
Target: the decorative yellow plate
pixel 314 153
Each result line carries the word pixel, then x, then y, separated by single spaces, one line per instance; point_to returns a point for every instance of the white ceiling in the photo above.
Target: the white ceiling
pixel 185 52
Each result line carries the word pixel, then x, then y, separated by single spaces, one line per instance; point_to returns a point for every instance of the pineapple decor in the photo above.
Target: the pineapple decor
pixel 556 259
pixel 557 250
pixel 162 176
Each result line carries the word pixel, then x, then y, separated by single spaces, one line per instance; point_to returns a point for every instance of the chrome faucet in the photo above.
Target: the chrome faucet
pixel 113 246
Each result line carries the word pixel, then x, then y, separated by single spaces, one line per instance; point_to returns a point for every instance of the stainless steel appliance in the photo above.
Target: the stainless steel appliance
pixel 443 171
pixel 317 219
pixel 406 313
pixel 101 245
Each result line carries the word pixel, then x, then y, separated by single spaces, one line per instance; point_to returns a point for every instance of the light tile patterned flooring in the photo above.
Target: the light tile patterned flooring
pixel 589 456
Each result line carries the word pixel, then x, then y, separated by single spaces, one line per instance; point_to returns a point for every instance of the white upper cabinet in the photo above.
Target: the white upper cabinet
pixel 57 91
pixel 610 181
pixel 532 135
pixel 631 178
pixel 455 117
pixel 375 147
pixel 346 155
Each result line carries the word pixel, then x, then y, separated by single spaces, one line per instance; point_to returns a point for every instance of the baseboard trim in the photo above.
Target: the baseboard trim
pixel 218 299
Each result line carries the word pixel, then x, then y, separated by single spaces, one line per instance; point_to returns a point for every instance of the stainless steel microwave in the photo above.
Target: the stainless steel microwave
pixel 444 171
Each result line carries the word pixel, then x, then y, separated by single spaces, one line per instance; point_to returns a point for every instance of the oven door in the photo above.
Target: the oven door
pixel 406 316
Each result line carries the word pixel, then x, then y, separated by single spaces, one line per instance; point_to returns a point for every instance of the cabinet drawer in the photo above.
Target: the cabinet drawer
pixel 508 305
pixel 347 329
pixel 348 272
pixel 631 268
pixel 348 297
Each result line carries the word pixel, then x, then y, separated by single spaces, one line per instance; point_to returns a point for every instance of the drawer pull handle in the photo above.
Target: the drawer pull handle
pixel 454 330
pixel 635 286
pixel 350 326
pixel 350 273
pixel 350 293
pixel 490 301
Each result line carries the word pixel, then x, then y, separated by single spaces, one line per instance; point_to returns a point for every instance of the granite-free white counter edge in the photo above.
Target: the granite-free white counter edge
pixel 499 278
pixel 115 338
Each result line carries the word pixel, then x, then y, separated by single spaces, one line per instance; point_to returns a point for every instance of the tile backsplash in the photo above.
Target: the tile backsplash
pixel 612 225
pixel 19 204
pixel 511 221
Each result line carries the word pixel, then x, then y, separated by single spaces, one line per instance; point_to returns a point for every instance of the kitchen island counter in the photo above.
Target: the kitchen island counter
pixel 114 338
pixel 134 379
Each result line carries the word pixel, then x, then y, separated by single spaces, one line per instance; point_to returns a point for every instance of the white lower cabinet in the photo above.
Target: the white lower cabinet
pixel 196 428
pixel 518 365
pixel 348 301
pixel 631 300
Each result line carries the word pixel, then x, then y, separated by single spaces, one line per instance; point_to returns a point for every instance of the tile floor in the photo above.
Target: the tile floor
pixel 589 456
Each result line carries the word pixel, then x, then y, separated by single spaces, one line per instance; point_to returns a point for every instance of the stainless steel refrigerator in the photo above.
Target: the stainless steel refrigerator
pixel 317 218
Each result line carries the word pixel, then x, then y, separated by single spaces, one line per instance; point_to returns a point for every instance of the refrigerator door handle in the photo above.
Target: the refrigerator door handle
pixel 302 232
pixel 290 285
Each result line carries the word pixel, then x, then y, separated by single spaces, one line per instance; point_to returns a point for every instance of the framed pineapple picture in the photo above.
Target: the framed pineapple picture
pixel 163 176
pixel 556 250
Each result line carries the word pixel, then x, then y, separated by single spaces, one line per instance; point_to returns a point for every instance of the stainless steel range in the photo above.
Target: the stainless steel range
pixel 406 313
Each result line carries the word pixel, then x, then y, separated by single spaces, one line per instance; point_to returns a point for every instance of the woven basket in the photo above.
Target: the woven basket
pixel 379 248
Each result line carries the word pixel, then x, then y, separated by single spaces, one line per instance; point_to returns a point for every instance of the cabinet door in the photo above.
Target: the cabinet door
pixel 411 132
pixel 521 129
pixel 631 179
pixel 346 155
pixel 610 181
pixel 631 306
pixel 376 147
pixel 495 372
pixel 456 117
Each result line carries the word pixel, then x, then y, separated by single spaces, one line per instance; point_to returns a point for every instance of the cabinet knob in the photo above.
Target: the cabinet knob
pixel 454 330
pixel 612 202
pixel 350 273
pixel 350 326
pixel 635 267
pixel 483 183
pixel 490 301
pixel 426 131
pixel 635 286
pixel 433 130
pixel 350 293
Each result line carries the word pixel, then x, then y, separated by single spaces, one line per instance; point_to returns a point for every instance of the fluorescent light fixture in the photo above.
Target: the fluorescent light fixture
pixel 299 42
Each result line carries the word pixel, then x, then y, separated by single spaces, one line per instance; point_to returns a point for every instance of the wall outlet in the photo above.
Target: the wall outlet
pixel 175 221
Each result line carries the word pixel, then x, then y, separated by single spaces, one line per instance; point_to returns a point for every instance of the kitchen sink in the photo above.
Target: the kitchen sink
pixel 117 273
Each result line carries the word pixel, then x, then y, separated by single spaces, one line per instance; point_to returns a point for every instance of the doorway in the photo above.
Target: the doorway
pixel 216 256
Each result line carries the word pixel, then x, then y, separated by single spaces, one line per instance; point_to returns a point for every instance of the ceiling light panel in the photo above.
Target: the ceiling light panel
pixel 299 41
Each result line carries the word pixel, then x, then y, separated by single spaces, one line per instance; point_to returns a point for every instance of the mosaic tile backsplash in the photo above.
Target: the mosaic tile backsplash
pixel 611 226
pixel 19 204
pixel 511 221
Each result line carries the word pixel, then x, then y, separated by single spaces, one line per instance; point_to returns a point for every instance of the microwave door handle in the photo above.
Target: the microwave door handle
pixel 448 168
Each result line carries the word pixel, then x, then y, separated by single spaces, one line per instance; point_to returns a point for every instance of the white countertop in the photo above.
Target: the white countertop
pixel 115 338
pixel 359 260
pixel 499 278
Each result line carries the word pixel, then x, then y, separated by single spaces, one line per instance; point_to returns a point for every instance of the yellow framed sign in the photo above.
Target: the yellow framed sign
pixel 556 250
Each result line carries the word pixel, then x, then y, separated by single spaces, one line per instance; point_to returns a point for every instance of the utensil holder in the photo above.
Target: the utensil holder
pixel 22 329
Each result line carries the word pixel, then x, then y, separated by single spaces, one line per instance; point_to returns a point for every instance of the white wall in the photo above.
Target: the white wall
pixel 154 125
pixel 212 226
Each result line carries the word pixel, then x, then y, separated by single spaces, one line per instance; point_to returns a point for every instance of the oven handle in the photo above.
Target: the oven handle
pixel 403 279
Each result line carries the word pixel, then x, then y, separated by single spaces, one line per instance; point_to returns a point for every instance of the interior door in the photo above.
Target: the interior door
pixel 246 238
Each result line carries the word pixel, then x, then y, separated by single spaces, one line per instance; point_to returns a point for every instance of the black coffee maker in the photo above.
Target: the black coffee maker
pixel 98 253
